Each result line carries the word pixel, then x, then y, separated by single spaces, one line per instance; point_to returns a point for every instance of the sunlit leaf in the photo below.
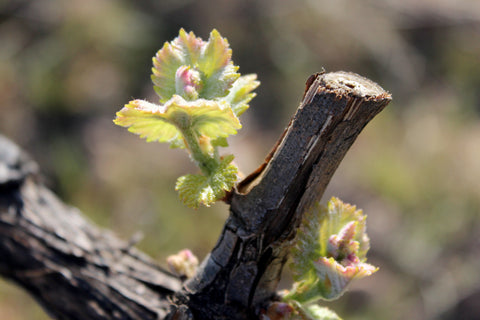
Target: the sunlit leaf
pixel 220 142
pixel 335 217
pixel 307 247
pixel 196 190
pixel 217 66
pixel 165 66
pixel 164 123
pixel 241 93
pixel 334 277
pixel 330 252
pixel 213 119
pixel 193 68
pixel 190 46
pixel 149 121
pixel 201 96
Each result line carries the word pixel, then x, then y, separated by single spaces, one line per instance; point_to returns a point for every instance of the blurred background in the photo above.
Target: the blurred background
pixel 66 67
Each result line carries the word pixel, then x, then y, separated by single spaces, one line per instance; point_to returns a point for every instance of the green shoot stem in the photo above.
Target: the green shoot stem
pixel 206 163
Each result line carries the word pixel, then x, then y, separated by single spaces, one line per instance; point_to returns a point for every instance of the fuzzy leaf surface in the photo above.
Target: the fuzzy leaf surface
pixel 196 189
pixel 241 93
pixel 211 59
pixel 164 123
pixel 149 121
pixel 330 252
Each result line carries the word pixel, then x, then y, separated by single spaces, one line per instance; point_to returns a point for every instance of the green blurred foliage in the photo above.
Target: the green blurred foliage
pixel 66 67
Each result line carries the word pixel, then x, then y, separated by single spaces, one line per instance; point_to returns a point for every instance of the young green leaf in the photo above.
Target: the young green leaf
pixel 336 217
pixel 307 246
pixel 328 258
pixel 217 66
pixel 166 123
pixel 149 121
pixel 241 93
pixel 193 68
pixel 165 65
pixel 190 46
pixel 196 189
pixel 201 96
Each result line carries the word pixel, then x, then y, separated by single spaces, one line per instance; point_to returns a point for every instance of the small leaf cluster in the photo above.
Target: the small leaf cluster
pixel 201 95
pixel 330 252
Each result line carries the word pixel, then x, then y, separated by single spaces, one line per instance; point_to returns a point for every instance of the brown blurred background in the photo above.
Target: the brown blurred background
pixel 66 67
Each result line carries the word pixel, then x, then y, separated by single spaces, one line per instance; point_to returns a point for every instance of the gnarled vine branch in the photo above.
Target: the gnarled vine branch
pixel 77 271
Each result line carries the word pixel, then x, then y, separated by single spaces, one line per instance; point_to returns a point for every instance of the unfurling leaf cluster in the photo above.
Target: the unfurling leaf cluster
pixel 201 95
pixel 330 252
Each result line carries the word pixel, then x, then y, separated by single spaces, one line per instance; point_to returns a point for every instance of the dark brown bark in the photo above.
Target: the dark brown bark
pixel 79 272
pixel 244 268
pixel 71 267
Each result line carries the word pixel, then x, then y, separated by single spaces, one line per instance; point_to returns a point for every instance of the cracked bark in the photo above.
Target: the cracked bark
pixel 77 271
